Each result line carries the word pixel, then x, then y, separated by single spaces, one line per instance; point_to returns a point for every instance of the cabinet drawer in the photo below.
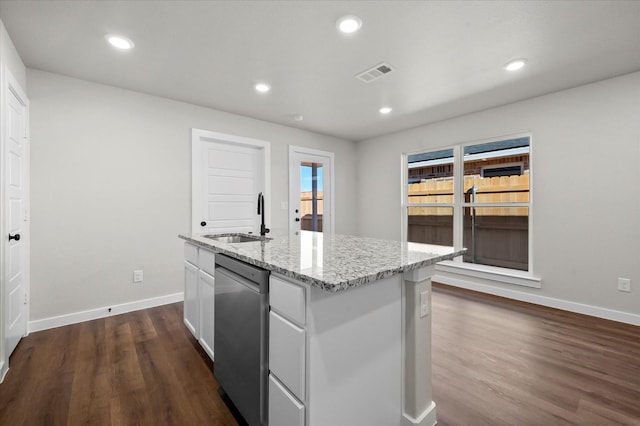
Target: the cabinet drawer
pixel 284 409
pixel 191 253
pixel 288 300
pixel 287 353
pixel 207 261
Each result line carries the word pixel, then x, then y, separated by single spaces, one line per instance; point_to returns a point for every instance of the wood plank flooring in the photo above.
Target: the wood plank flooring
pixel 140 368
pixel 500 362
pixel 495 362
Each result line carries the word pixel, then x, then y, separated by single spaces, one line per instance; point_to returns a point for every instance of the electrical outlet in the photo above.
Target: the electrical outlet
pixel 624 284
pixel 424 304
pixel 138 276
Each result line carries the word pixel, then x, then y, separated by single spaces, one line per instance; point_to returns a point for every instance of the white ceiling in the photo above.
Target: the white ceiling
pixel 447 56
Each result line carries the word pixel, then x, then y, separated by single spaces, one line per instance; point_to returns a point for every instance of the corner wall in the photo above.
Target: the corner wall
pixel 111 190
pixel 586 188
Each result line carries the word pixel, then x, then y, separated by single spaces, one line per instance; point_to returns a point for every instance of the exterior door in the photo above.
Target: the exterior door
pixel 310 190
pixel 228 174
pixel 16 214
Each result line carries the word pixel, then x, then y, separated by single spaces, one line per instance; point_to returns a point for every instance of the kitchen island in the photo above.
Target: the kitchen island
pixel 349 325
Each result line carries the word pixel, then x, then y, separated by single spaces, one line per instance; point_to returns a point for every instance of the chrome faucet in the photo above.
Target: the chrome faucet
pixel 263 229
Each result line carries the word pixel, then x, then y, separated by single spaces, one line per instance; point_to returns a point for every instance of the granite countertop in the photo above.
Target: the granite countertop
pixel 330 262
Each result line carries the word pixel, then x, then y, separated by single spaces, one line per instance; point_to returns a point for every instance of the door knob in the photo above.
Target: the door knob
pixel 203 223
pixel 14 237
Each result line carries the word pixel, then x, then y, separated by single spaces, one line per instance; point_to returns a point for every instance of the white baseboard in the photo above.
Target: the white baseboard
pixel 3 370
pixel 565 305
pixel 107 311
pixel 427 418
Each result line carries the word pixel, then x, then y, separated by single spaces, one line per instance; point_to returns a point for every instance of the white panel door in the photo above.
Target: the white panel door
pixel 228 176
pixel 15 204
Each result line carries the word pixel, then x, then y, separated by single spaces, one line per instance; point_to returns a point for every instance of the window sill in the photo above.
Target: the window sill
pixel 491 273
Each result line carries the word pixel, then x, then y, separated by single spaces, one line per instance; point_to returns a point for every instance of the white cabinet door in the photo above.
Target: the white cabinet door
pixel 287 299
pixel 287 353
pixel 191 311
pixel 207 261
pixel 284 408
pixel 191 254
pixel 206 283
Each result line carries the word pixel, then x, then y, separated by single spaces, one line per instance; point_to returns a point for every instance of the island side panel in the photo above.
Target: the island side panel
pixel 418 405
pixel 355 355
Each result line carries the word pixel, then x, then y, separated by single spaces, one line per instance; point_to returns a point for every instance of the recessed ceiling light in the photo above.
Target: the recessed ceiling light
pixel 349 24
pixel 515 65
pixel 262 87
pixel 298 117
pixel 119 42
pixel 385 110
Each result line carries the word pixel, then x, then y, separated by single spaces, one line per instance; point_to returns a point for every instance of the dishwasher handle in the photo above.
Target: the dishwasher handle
pixel 245 270
pixel 224 273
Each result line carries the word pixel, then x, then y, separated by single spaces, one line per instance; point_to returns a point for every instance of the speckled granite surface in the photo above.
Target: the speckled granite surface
pixel 331 262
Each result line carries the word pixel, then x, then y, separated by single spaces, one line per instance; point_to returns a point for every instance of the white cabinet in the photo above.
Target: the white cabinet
pixel 287 299
pixel 284 409
pixel 287 352
pixel 199 285
pixel 191 302
pixel 191 254
pixel 206 287
pixel 207 261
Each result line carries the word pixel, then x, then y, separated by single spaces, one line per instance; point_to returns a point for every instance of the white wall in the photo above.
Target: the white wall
pixel 586 185
pixel 9 60
pixel 111 189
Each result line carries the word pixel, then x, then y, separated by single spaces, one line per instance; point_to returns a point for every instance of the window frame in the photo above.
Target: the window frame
pixel 459 205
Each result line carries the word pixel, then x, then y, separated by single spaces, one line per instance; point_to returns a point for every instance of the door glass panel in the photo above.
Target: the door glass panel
pixel 311 196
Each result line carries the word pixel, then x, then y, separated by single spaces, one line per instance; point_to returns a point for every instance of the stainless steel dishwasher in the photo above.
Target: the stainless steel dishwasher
pixel 240 339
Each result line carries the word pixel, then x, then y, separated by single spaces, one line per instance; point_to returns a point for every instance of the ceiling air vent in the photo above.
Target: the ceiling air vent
pixel 374 73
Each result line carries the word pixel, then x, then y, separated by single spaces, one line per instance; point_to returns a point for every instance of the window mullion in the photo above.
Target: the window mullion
pixel 458 198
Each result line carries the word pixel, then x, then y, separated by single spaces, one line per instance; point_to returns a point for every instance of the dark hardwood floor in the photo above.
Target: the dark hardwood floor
pixel 495 362
pixel 502 362
pixel 140 368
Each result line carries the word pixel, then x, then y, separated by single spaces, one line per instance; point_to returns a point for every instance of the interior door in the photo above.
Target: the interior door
pixel 310 190
pixel 16 215
pixel 228 174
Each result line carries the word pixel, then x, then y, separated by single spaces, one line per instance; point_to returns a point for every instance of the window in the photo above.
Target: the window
pixel 475 196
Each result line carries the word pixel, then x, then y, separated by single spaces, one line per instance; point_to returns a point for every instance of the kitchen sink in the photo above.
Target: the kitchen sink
pixel 235 238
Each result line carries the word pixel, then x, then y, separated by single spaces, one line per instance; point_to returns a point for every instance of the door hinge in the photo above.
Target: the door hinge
pixel 25 298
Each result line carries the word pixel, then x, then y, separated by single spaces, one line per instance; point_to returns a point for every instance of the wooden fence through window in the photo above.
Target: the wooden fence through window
pixel 496 236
